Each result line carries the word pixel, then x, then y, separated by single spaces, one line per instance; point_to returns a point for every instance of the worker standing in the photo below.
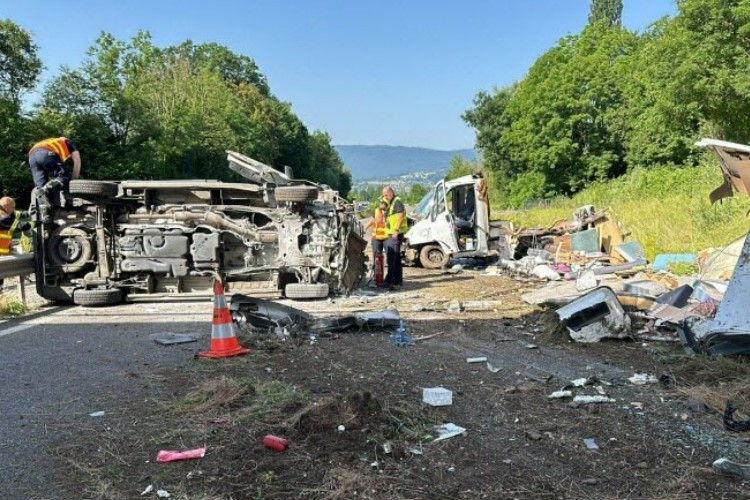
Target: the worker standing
pixel 379 237
pixel 396 227
pixel 46 160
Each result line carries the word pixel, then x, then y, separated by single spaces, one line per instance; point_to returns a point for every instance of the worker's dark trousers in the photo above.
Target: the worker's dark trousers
pixel 395 276
pixel 44 165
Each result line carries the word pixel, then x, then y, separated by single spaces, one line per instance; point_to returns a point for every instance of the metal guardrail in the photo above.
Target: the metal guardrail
pixel 16 265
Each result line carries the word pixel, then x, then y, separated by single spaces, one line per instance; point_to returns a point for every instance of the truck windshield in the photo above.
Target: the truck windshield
pixel 424 207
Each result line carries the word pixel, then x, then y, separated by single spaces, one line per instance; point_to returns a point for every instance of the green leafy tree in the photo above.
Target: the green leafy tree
pixel 460 166
pixel 562 122
pixel 20 67
pixel 690 79
pixel 606 11
pixel 140 111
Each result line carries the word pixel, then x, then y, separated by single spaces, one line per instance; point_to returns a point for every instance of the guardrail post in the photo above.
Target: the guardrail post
pixel 22 288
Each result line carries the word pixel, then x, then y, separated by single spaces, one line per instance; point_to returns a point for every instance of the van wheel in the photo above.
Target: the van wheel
pixel 306 291
pixel 96 297
pixel 296 193
pixel 432 257
pixel 93 189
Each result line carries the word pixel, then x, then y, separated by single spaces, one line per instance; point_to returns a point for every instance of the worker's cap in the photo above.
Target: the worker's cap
pixel 8 204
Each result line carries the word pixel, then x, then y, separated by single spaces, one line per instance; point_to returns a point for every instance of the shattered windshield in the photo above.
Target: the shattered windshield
pixel 424 207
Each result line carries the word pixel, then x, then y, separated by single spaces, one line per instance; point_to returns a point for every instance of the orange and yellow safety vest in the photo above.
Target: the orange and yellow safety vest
pixel 379 230
pixel 57 145
pixel 6 240
pixel 6 236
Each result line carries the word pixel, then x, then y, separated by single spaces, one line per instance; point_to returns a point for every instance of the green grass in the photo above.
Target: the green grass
pixel 12 307
pixel 665 209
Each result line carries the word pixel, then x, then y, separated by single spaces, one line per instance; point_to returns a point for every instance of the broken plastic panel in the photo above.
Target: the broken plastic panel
pixel 595 316
pixel 729 332
pixel 266 314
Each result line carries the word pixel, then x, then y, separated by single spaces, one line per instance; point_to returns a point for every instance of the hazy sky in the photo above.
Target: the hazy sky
pixel 368 72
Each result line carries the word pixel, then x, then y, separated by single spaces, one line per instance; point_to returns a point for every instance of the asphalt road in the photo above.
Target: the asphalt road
pixel 60 364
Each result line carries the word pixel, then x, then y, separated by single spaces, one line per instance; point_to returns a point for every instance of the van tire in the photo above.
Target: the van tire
pixel 97 297
pixel 432 257
pixel 306 291
pixel 296 194
pixel 93 189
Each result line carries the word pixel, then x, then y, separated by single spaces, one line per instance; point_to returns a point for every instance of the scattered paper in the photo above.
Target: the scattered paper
pixel 591 444
pixel 492 368
pixel 593 399
pixel 561 395
pixel 643 379
pixel 96 414
pixel 447 431
pixel 163 494
pixel 148 490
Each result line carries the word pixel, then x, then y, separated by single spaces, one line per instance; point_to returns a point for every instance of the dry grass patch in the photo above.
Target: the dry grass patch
pixel 218 393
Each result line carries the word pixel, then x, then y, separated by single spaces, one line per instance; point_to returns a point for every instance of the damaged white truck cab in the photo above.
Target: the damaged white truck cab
pixel 453 221
pixel 109 239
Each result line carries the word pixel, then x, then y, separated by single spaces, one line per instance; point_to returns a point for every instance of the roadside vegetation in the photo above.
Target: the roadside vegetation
pixel 10 307
pixel 665 209
pixel 608 102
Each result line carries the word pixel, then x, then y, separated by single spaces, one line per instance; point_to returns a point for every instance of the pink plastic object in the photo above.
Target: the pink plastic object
pixel 276 442
pixel 171 456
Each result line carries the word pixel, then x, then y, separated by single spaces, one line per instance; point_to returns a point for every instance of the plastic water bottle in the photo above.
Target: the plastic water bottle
pixel 400 338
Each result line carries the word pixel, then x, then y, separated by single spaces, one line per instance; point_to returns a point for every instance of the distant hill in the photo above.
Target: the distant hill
pixel 371 162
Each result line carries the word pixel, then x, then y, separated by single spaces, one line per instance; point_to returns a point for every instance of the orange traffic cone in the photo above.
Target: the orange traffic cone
pixel 223 340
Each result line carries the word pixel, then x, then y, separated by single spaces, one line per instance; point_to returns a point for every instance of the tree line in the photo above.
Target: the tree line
pixel 608 100
pixel 138 111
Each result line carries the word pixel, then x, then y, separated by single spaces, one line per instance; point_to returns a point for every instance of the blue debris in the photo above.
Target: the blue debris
pixel 400 339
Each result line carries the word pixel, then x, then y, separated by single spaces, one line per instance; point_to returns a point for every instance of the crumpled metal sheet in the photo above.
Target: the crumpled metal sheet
pixel 595 316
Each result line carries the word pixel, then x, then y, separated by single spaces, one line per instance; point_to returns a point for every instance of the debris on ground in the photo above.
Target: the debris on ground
pixel 268 316
pixel 595 316
pixel 479 359
pixel 172 456
pixel 275 442
pixel 169 338
pixel 561 395
pixel 585 400
pixel 726 467
pixel 591 444
pixel 643 379
pixel 730 423
pixel 447 431
pixel 437 396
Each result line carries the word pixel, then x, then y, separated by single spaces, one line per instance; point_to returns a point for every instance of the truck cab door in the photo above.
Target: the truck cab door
pixel 441 220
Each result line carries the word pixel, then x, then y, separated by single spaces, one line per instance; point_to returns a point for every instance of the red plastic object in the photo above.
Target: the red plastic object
pixel 276 443
pixel 379 266
pixel 171 456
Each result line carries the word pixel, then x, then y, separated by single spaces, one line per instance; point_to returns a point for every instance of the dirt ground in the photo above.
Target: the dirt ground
pixel 654 441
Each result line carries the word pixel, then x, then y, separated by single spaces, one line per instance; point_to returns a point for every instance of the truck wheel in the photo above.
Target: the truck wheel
pixel 70 249
pixel 296 193
pixel 306 291
pixel 93 189
pixel 96 297
pixel 432 257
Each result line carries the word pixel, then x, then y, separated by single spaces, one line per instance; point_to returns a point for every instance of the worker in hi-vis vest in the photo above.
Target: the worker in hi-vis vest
pixel 378 225
pixel 396 225
pixel 46 160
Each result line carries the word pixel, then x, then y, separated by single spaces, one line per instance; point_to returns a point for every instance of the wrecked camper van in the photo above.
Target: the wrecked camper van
pixel 109 239
pixel 453 221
